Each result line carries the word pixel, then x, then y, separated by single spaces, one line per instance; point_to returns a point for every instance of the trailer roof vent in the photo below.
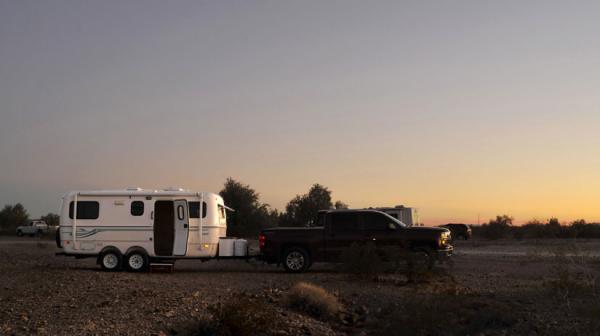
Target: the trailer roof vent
pixel 174 189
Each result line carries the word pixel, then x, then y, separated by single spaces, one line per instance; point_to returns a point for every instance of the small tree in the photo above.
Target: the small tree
pixel 13 216
pixel 250 214
pixel 497 228
pixel 51 219
pixel 553 228
pixel 303 209
pixel 340 205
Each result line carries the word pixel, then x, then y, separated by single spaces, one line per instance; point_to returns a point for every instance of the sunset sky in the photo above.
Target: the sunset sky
pixel 458 108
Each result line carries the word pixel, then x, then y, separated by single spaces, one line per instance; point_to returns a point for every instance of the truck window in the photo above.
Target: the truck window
pixel 194 209
pixel 85 210
pixel 373 221
pixel 344 222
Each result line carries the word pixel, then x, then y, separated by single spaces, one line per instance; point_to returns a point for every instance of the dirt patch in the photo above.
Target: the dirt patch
pixel 479 293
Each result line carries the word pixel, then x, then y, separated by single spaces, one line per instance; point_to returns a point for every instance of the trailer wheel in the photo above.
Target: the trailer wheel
pixel 111 260
pixel 137 261
pixel 296 260
pixel 57 238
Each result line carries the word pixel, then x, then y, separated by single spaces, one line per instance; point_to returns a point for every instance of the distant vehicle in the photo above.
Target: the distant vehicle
pixel 459 231
pixel 408 216
pixel 298 247
pixel 135 227
pixel 33 228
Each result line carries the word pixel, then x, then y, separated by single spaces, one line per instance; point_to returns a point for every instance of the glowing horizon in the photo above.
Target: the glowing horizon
pixel 459 109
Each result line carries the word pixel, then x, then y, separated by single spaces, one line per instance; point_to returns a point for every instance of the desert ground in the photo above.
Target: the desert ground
pixel 507 287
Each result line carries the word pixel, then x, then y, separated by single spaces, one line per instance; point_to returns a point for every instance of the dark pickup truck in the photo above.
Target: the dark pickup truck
pixel 336 230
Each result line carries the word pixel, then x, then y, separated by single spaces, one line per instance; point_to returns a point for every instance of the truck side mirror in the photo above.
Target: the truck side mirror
pixel 391 226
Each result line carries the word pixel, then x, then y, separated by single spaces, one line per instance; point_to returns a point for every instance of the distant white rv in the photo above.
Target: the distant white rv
pixel 408 216
pixel 129 228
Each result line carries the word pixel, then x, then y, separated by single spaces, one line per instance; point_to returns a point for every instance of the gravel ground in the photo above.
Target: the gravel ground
pixel 48 295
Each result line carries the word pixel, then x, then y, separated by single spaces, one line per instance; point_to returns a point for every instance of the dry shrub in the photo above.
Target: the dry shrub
pixel 240 316
pixel 362 260
pixel 313 300
pixel 575 276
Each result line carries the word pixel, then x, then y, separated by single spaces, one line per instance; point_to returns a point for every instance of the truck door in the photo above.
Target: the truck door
pixel 377 229
pixel 181 228
pixel 342 229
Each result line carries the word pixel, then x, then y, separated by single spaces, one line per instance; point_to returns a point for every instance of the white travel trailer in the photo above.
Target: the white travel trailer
pixel 133 227
pixel 408 216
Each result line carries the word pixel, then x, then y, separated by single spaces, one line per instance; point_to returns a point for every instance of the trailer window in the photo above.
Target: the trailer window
pixel 180 212
pixel 85 210
pixel 221 212
pixel 194 208
pixel 137 208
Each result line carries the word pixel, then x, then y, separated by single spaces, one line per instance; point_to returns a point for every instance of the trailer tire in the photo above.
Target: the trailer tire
pixel 296 260
pixel 57 238
pixel 137 261
pixel 111 260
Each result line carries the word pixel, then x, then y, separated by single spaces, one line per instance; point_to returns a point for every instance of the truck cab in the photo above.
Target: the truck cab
pixel 33 228
pixel 337 230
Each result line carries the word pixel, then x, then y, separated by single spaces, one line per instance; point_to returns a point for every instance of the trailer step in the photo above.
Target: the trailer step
pixel 161 268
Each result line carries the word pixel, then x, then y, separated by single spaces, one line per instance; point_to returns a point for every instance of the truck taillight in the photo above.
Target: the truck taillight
pixel 261 240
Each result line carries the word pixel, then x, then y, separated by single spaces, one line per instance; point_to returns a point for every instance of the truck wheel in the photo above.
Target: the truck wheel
pixel 296 260
pixel 111 260
pixel 19 233
pixel 136 261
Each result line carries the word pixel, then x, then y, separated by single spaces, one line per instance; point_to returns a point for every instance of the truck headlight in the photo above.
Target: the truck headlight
pixel 444 239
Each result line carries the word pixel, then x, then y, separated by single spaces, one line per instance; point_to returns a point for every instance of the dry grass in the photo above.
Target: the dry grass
pixel 313 300
pixel 239 316
pixel 441 314
pixel 362 260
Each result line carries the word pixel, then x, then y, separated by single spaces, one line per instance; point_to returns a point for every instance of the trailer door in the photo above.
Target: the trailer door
pixel 181 228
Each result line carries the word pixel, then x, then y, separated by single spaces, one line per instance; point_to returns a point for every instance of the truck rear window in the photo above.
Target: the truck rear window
pixel 373 221
pixel 344 222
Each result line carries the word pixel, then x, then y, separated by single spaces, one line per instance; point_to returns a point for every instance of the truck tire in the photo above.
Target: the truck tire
pixel 296 260
pixel 19 233
pixel 111 260
pixel 137 261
